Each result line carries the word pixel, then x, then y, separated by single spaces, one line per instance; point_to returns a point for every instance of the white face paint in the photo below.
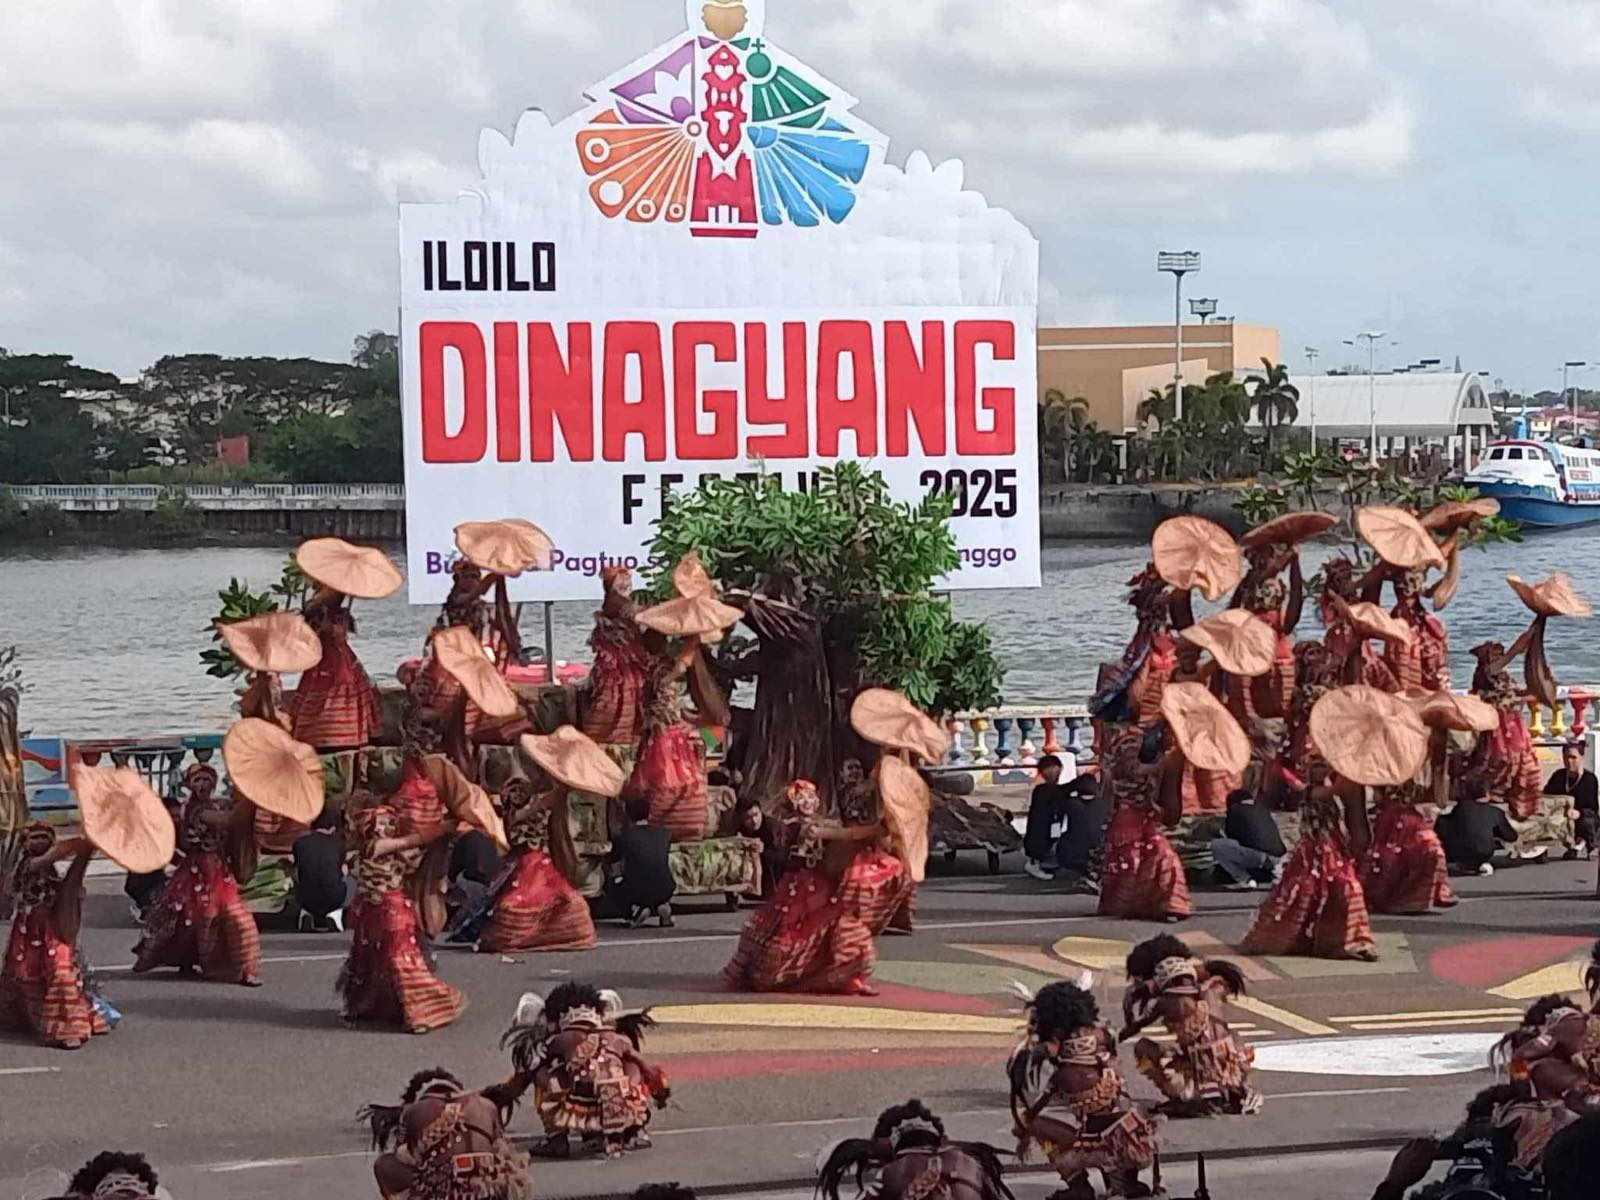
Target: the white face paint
pixel 1392 1056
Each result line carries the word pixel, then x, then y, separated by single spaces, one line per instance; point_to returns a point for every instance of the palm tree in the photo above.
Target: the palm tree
pixel 1061 421
pixel 1276 401
pixel 1160 406
pixel 1094 449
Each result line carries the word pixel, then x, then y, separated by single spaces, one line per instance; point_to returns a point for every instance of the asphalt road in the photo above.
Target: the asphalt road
pixel 238 1094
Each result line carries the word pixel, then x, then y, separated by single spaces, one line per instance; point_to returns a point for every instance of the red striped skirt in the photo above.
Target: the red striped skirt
pixel 200 921
pixel 801 940
pixel 669 772
pixel 877 888
pixel 416 800
pixel 1144 877
pixel 386 979
pixel 335 707
pixel 1316 909
pixel 612 715
pixel 41 987
pixel 1405 871
pixel 537 909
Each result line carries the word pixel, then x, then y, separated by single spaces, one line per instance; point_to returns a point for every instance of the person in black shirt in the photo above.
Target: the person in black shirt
pixel 1577 781
pixel 641 881
pixel 1080 850
pixel 749 821
pixel 1045 808
pixel 1472 830
pixel 319 883
pixel 1250 850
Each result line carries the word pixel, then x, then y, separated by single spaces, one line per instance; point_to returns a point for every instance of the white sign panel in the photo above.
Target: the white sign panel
pixel 711 270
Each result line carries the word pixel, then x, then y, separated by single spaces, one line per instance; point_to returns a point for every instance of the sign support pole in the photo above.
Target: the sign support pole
pixel 550 639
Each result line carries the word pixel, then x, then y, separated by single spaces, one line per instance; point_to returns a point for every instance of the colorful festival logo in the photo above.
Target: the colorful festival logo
pixel 724 131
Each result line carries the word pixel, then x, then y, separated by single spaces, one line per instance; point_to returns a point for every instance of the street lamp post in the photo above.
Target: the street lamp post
pixel 1178 264
pixel 1203 308
pixel 1372 337
pixel 1311 391
pixel 1571 397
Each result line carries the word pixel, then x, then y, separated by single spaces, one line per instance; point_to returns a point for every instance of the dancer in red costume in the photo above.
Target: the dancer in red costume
pixel 335 707
pixel 613 708
pixel 876 885
pixel 805 939
pixel 1144 877
pixel 669 768
pixel 42 987
pixel 1424 661
pixel 415 799
pixel 1404 870
pixel 1504 758
pixel 532 904
pixel 1317 907
pixel 387 978
pixel 199 922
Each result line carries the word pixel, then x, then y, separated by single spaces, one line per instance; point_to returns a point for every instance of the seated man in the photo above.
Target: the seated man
pixel 1250 850
pixel 641 882
pixel 1473 830
pixel 1574 779
pixel 1080 849
pixel 319 880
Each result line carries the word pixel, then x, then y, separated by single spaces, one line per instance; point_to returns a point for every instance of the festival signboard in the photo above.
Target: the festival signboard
pixel 711 269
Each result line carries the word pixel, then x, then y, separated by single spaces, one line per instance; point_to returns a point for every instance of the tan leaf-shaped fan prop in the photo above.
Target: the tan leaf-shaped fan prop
pixel 575 760
pixel 273 771
pixel 123 818
pixel 364 572
pixel 280 642
pixel 1552 597
pixel 701 615
pixel 1370 621
pixel 507 547
pixel 888 719
pixel 1241 642
pixel 906 803
pixel 460 653
pixel 1290 529
pixel 1398 537
pixel 1369 736
pixel 1207 732
pixel 689 577
pixel 1192 552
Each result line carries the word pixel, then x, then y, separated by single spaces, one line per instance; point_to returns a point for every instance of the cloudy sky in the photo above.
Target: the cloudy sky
pixel 221 175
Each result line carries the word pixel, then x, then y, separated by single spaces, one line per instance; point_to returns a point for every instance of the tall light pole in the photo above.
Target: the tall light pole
pixel 1372 337
pixel 1571 398
pixel 1203 308
pixel 1178 263
pixel 1311 391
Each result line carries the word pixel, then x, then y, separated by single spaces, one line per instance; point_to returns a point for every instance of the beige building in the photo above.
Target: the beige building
pixel 1115 368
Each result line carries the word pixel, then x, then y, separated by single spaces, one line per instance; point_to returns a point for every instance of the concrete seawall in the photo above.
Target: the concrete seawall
pixel 1128 510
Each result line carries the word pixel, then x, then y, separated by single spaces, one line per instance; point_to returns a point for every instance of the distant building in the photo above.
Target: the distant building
pixel 1114 368
pixel 1443 408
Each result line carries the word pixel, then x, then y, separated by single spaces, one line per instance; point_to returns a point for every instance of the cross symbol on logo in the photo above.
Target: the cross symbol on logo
pixel 758 45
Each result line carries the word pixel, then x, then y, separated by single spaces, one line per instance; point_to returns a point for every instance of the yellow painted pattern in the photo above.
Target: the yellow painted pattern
pixel 1562 977
pixel 1098 954
pixel 834 1016
pixel 1363 1018
pixel 1282 1016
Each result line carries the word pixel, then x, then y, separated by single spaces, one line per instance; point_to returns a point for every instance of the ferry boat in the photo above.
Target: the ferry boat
pixel 1543 484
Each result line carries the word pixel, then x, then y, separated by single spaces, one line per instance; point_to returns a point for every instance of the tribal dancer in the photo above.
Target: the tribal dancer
pixel 805 939
pixel 1404 870
pixel 199 922
pixel 387 977
pixel 911 1158
pixel 1130 690
pixel 612 712
pixel 113 1175
pixel 1538 1110
pixel 449 1143
pixel 532 904
pixel 1424 661
pixel 1570 1036
pixel 669 769
pixel 42 987
pixel 1208 1071
pixel 1317 907
pixel 1264 594
pixel 1144 877
pixel 1349 650
pixel 1067 1096
pixel 335 707
pixel 876 885
pixel 582 1054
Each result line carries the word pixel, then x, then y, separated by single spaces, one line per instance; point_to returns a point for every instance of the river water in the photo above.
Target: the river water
pixel 109 638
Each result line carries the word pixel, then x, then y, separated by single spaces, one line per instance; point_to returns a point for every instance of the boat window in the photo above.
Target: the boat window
pixel 1514 452
pixel 1497 452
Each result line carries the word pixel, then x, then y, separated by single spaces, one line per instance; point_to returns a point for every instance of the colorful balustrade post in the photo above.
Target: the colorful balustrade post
pixel 1027 752
pixel 1051 745
pixel 1580 710
pixel 1002 741
pixel 1536 722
